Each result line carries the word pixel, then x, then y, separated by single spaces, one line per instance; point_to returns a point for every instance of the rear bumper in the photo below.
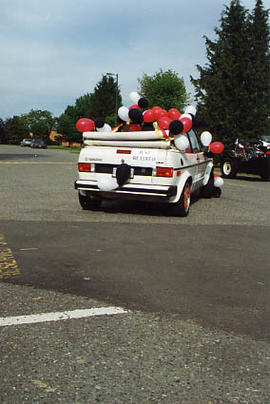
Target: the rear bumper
pixel 161 193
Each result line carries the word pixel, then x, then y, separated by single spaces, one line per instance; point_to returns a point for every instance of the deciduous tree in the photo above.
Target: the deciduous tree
pixel 164 89
pixel 40 123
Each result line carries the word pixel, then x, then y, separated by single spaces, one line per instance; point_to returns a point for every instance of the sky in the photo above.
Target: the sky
pixel 54 51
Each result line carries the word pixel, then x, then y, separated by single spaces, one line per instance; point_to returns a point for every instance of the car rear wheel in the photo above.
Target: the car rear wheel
pixel 228 168
pixel 181 208
pixel 89 201
pixel 216 192
pixel 207 190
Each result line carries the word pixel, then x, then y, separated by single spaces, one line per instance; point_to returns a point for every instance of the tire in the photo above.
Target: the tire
pixel 207 190
pixel 216 192
pixel 181 208
pixel 89 202
pixel 228 168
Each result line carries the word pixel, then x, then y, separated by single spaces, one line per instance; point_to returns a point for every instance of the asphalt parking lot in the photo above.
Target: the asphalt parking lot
pixel 195 292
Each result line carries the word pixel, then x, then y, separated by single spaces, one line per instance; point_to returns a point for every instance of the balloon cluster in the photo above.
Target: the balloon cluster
pixel 138 118
pixel 171 120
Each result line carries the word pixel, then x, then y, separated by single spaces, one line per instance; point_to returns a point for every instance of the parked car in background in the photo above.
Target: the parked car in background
pixel 251 157
pixel 38 144
pixel 265 139
pixel 26 142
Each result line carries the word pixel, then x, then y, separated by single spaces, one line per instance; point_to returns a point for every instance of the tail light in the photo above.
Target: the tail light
pixel 164 172
pixel 84 167
pixel 122 151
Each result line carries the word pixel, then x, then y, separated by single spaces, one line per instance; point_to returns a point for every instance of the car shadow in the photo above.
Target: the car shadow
pixel 139 207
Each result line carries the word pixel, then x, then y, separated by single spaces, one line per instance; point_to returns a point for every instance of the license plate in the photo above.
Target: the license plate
pixel 145 157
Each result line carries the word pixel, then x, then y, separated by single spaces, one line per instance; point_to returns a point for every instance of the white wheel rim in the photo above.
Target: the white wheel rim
pixel 227 168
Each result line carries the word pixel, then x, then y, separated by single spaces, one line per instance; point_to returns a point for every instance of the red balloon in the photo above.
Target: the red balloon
pixel 164 122
pixel 134 106
pixel 148 116
pixel 159 113
pixel 85 125
pixel 156 108
pixel 135 127
pixel 187 123
pixel 174 113
pixel 164 112
pixel 216 147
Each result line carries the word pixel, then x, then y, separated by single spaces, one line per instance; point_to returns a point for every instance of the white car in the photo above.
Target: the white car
pixel 142 166
pixel 26 142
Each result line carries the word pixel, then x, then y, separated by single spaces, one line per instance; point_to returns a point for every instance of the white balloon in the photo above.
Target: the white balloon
pixel 206 138
pixel 100 129
pixel 218 182
pixel 105 128
pixel 107 184
pixel 185 116
pixel 190 110
pixel 123 113
pixel 181 142
pixel 134 96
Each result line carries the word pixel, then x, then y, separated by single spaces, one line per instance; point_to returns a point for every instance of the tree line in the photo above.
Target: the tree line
pixel 232 91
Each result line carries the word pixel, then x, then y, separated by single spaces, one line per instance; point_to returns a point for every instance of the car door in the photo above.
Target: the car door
pixel 198 158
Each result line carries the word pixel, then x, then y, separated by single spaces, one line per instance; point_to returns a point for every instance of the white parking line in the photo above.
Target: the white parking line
pixel 66 315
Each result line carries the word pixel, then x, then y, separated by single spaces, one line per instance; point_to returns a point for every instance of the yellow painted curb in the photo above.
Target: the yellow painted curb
pixel 8 265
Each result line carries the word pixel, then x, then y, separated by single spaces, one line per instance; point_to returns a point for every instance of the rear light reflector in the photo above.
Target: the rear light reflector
pixel 122 151
pixel 164 172
pixel 84 167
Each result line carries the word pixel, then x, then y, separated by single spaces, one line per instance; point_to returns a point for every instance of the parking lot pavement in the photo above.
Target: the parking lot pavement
pixel 148 354
pixel 197 275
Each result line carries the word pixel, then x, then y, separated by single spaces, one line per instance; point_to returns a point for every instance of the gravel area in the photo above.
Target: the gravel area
pixel 131 358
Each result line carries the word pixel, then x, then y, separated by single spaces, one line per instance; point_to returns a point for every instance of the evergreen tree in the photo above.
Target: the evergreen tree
pixel 259 32
pixel 66 125
pixel 164 89
pixel 17 129
pixel 83 106
pixel 99 104
pixel 104 98
pixel 3 132
pixel 224 86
